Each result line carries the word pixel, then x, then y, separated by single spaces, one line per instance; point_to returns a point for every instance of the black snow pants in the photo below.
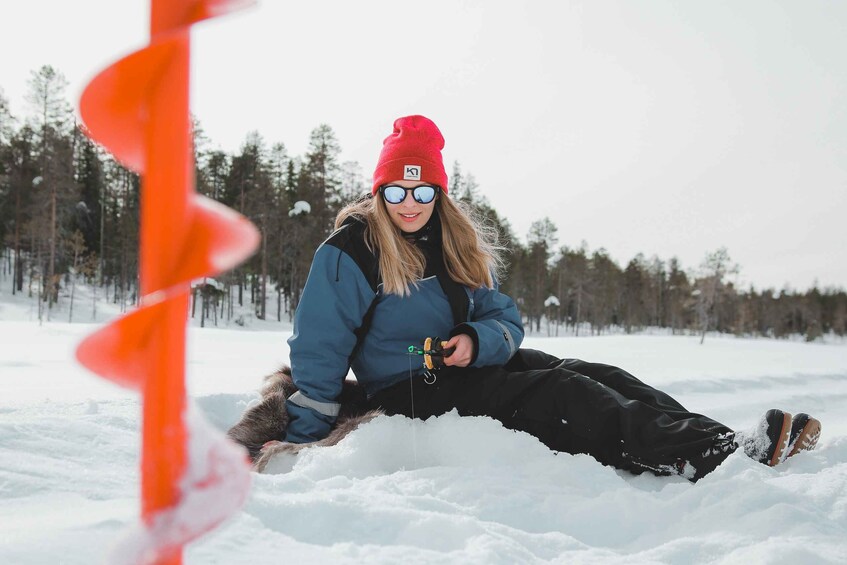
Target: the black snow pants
pixel 575 407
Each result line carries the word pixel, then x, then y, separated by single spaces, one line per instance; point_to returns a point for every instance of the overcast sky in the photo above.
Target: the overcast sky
pixel 669 128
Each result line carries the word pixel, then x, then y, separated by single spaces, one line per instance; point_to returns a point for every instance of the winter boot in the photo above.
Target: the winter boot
pixel 767 442
pixel 805 432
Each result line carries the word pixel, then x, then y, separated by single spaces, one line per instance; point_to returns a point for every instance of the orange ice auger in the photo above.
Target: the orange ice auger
pixel 138 109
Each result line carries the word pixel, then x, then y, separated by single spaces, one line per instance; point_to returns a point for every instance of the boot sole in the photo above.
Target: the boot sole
pixel 782 446
pixel 807 439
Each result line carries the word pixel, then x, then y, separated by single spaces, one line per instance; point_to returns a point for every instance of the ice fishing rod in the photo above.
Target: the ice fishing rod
pixel 433 352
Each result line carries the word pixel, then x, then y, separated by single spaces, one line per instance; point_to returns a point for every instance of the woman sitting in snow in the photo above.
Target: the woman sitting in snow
pixel 409 263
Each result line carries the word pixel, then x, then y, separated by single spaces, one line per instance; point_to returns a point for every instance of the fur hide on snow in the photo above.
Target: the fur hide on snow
pixel 262 427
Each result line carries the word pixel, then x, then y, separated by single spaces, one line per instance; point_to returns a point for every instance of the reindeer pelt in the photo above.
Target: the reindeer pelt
pixel 262 427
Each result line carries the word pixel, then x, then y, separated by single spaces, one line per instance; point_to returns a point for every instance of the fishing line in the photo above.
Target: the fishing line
pixel 414 424
pixel 433 353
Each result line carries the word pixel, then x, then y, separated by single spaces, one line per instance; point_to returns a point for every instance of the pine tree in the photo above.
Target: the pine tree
pixel 605 282
pixel 352 185
pixel 52 120
pixel 321 178
pixel 6 207
pixel 471 192
pixel 89 207
pixel 573 278
pixel 278 164
pixel 541 240
pixel 21 173
pixel 318 185
pixel 457 182
pixel 678 293
pixel 655 293
pixel 711 287
pixel 633 279
pixel 121 224
pixel 245 176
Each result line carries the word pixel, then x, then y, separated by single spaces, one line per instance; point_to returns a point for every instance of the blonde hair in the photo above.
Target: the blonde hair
pixel 470 247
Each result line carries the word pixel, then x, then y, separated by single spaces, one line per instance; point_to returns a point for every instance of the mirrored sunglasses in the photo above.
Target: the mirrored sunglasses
pixel 395 194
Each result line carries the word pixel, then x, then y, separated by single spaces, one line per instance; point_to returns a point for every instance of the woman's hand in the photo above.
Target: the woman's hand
pixel 463 354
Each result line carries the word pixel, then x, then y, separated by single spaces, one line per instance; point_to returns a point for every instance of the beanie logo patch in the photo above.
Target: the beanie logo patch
pixel 411 172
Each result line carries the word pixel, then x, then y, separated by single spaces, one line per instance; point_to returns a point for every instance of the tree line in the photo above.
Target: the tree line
pixel 69 212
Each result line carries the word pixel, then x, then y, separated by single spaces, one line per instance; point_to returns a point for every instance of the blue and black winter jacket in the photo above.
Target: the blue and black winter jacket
pixel 342 288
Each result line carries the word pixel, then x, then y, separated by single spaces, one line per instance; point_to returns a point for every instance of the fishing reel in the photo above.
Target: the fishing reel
pixel 434 352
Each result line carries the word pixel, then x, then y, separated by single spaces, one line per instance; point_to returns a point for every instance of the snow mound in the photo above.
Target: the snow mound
pixel 468 490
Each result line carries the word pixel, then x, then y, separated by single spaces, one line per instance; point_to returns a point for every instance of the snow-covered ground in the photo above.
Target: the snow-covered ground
pixel 449 490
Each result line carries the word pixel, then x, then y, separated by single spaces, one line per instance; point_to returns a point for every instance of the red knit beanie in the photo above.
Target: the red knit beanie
pixel 412 152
